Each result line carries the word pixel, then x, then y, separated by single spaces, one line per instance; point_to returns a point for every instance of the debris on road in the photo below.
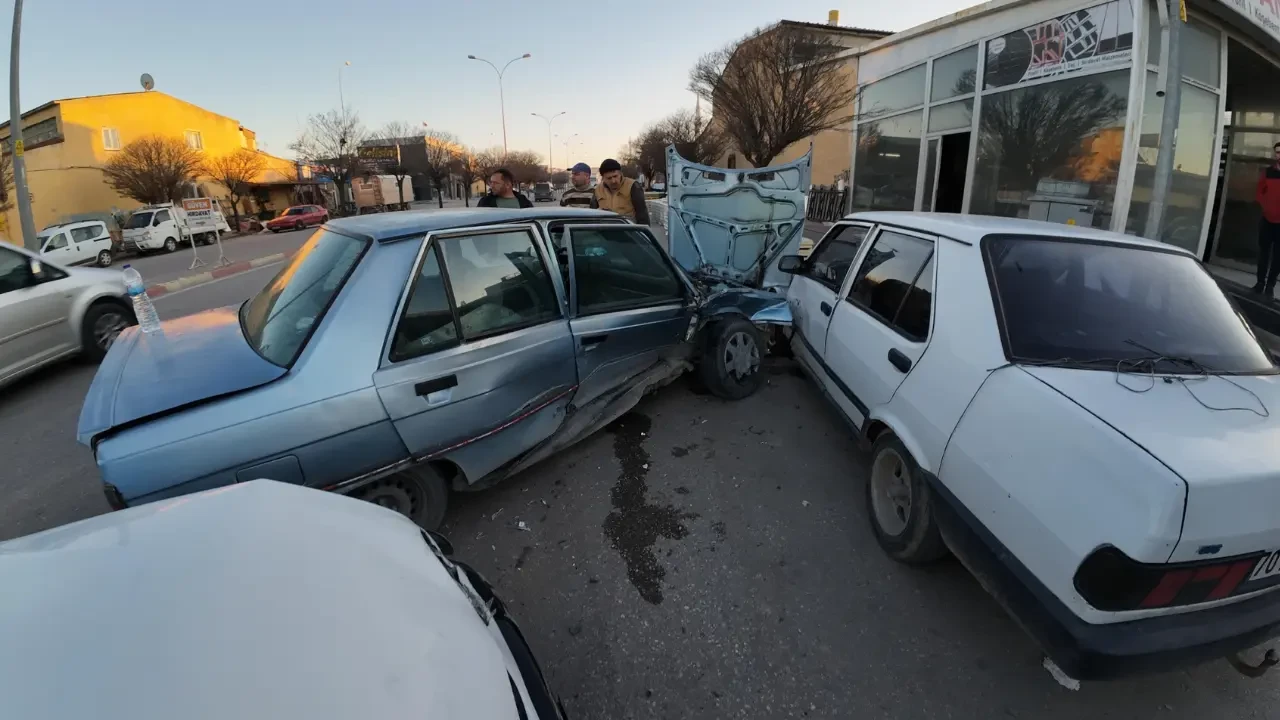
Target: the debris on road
pixel 1063 679
pixel 495 515
pixel 805 503
pixel 522 526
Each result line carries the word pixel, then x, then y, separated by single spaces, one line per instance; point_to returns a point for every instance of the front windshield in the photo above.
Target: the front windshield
pixel 1098 304
pixel 278 321
pixel 138 220
pixel 294 211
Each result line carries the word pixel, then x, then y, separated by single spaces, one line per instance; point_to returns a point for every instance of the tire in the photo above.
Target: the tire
pixel 418 493
pixel 274 229
pixel 101 324
pixel 730 363
pixel 904 526
pixel 300 226
pixel 104 258
pixel 170 245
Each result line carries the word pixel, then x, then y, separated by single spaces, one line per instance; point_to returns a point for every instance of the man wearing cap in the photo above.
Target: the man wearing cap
pixel 580 194
pixel 621 194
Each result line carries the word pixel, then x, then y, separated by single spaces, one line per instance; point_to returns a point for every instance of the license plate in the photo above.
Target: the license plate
pixel 1268 566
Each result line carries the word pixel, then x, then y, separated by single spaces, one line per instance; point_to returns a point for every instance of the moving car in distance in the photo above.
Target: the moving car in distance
pixel 82 242
pixel 1083 418
pixel 298 217
pixel 49 312
pixel 542 192
pixel 399 356
pixel 258 600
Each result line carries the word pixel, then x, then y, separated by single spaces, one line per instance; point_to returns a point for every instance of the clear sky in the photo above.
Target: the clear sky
pixel 611 66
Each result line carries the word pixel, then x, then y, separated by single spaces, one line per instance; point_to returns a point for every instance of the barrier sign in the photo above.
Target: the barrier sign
pixel 200 214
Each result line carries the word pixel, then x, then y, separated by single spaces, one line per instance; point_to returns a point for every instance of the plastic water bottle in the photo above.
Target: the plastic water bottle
pixel 148 320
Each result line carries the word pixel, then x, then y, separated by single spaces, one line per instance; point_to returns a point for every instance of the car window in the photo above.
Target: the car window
pixel 427 323
pixel 138 220
pixel 162 217
pixel 556 229
pixel 15 273
pixel 1104 303
pixel 617 268
pixel 830 261
pixel 498 281
pixel 86 233
pixel 279 320
pixel 895 282
pixel 56 242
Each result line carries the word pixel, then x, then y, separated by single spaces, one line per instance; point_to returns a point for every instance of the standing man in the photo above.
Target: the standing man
pixel 502 192
pixel 1269 229
pixel 580 194
pixel 621 194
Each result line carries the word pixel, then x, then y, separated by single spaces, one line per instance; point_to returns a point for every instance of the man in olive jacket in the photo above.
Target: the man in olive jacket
pixel 621 194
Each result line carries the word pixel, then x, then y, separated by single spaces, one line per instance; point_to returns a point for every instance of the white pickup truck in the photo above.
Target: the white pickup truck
pixel 164 227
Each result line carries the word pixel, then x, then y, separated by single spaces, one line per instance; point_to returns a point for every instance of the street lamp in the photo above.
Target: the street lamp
pixel 502 102
pixel 342 103
pixel 25 219
pixel 567 141
pixel 549 121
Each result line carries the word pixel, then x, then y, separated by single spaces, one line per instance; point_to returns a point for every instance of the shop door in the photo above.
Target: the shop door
pixel 1250 153
pixel 946 158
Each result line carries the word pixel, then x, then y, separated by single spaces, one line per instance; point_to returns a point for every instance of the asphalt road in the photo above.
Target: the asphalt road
pixel 163 267
pixel 699 559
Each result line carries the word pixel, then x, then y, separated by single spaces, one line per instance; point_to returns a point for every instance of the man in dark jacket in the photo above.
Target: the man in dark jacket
pixel 502 192
pixel 1268 197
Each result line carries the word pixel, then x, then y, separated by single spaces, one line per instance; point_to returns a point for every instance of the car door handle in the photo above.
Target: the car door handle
pixel 899 360
pixel 426 387
pixel 590 341
pixel 825 307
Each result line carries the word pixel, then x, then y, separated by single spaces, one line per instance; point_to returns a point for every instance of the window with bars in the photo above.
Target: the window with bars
pixel 110 139
pixel 194 140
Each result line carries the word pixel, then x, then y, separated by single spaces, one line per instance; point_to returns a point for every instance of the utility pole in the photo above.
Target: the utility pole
pixel 15 138
pixel 502 102
pixel 1171 73
pixel 549 121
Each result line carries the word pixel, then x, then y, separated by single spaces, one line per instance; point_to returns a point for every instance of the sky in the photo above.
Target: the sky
pixel 611 67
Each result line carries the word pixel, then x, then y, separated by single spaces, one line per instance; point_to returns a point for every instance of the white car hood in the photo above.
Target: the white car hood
pixel 1230 459
pixel 259 600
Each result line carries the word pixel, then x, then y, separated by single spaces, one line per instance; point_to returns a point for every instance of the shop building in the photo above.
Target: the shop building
pixel 1051 110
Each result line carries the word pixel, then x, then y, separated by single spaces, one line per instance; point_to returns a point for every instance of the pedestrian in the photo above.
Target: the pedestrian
pixel 621 194
pixel 1268 197
pixel 581 194
pixel 502 192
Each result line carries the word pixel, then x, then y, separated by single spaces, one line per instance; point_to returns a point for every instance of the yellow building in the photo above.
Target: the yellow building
pixel 68 141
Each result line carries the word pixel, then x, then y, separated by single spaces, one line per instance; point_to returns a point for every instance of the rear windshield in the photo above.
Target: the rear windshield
pixel 138 220
pixel 279 320
pixel 1100 304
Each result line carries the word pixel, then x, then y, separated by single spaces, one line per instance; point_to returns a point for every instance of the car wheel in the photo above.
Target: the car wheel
pixel 104 258
pixel 900 505
pixel 274 229
pixel 170 245
pixel 300 226
pixel 417 493
pixel 730 365
pixel 102 324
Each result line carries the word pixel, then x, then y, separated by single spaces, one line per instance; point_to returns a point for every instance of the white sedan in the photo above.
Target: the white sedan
pixel 1082 417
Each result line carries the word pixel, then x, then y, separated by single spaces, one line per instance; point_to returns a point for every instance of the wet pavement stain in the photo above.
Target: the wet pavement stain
pixel 634 525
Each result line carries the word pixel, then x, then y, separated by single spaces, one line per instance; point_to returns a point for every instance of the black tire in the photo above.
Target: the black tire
pixel 101 320
pixel 907 532
pixel 275 230
pixel 300 226
pixel 104 258
pixel 723 368
pixel 170 245
pixel 418 493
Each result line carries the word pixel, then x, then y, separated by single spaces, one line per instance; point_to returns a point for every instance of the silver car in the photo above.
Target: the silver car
pixel 49 312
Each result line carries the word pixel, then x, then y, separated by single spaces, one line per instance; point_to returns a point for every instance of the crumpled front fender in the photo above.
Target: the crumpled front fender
pixel 758 306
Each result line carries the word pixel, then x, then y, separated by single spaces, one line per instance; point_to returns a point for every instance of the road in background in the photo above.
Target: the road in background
pixel 164 267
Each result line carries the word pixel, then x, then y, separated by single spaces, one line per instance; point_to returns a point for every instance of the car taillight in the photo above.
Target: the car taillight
pixel 1109 580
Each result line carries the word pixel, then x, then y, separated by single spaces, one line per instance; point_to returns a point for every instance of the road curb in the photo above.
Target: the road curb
pixel 191 281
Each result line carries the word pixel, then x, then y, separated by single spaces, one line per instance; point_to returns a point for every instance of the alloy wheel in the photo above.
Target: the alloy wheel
pixel 891 492
pixel 107 328
pixel 741 355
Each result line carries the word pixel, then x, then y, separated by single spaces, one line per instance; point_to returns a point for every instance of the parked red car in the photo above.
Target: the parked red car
pixel 298 217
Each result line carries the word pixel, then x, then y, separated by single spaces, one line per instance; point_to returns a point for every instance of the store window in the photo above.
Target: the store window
pixel 1199 49
pixel 954 74
pixel 952 116
pixel 1052 151
pixel 896 92
pixel 888 155
pixel 1193 160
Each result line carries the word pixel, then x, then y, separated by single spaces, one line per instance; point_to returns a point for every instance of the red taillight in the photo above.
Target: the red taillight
pixel 1109 580
pixel 1221 581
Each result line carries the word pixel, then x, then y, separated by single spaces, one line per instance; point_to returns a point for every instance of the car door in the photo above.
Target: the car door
pixel 479 364
pixel 816 286
pixel 88 240
pixel 165 227
pixel 58 248
pixel 880 328
pixel 33 314
pixel 629 306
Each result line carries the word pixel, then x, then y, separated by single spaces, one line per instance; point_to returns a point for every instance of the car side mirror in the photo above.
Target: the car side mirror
pixel 791 264
pixel 37 270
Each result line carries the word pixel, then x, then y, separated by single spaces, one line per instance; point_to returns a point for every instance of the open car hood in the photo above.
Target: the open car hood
pixel 734 225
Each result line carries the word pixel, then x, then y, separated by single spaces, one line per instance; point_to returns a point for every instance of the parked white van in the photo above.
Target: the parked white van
pixel 164 227
pixel 77 243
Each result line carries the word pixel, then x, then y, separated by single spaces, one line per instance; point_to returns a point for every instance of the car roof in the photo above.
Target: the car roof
pixel 395 225
pixel 972 228
pixel 260 599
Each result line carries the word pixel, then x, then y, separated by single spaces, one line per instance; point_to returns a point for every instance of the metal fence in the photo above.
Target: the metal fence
pixel 826 203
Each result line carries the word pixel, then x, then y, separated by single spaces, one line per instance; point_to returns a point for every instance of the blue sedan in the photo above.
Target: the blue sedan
pixel 398 356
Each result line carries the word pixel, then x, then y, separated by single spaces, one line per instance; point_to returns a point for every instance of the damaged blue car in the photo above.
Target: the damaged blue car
pixel 398 357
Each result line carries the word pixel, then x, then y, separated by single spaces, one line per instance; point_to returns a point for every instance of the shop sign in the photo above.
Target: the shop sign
pixel 1263 13
pixel 1093 39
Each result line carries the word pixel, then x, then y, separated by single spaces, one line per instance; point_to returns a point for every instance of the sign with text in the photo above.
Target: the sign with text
pixel 1263 13
pixel 200 214
pixel 378 157
pixel 1095 38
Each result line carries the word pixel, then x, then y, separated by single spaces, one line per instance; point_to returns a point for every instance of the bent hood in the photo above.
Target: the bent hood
pixel 735 225
pixel 194 358
pixel 1229 458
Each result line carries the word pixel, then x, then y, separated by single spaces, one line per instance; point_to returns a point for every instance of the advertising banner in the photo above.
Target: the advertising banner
pixel 1096 38
pixel 1263 13
pixel 200 214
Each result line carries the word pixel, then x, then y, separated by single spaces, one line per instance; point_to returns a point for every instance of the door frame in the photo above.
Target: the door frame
pixel 937 165
pixel 690 292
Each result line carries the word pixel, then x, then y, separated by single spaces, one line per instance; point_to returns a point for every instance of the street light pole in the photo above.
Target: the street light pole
pixel 567 142
pixel 342 103
pixel 502 102
pixel 25 218
pixel 549 121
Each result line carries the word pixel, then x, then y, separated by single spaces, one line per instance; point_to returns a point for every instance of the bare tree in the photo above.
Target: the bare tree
pixel 329 142
pixel 469 165
pixel 153 169
pixel 775 87
pixel 690 136
pixel 526 166
pixel 440 154
pixel 236 170
pixel 398 130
